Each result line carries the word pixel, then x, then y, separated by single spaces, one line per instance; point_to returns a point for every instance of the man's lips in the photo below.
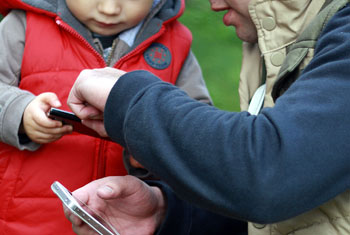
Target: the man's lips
pixel 227 18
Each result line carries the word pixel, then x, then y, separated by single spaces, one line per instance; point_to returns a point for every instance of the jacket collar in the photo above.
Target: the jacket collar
pixel 276 31
pixel 275 28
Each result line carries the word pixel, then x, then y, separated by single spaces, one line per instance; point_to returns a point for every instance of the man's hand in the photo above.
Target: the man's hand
pixel 129 205
pixel 89 94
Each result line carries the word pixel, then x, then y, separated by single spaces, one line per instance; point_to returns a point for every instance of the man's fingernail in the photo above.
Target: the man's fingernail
pixel 106 189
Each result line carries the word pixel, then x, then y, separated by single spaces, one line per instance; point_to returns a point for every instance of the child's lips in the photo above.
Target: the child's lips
pixel 106 25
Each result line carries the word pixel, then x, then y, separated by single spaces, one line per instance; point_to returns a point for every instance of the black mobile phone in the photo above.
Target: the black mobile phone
pixel 69 118
pixel 80 209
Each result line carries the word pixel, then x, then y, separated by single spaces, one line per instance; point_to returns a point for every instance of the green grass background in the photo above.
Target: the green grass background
pixel 218 51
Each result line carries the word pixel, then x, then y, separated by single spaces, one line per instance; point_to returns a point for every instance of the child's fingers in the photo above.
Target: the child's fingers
pixel 44 138
pixel 41 119
pixel 54 131
pixel 46 135
pixel 36 111
pixel 49 99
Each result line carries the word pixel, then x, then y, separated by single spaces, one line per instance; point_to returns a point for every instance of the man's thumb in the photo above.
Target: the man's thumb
pixel 119 186
pixel 106 192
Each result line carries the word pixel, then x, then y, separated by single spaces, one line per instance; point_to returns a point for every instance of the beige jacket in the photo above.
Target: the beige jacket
pixel 275 34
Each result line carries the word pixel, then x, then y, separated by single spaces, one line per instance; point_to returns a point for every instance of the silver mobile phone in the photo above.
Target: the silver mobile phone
pixel 81 210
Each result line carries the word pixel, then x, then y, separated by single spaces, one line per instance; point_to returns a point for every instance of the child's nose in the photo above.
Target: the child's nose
pixel 109 7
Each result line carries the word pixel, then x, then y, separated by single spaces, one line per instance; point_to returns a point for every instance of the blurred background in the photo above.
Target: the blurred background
pixel 218 51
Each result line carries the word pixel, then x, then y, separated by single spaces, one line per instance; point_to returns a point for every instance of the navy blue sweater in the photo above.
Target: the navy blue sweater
pixel 265 168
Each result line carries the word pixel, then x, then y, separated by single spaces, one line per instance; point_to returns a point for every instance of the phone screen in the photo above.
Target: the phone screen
pixel 80 209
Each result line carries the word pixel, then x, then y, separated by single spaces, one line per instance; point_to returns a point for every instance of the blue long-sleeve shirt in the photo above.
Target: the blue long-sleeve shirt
pixel 265 168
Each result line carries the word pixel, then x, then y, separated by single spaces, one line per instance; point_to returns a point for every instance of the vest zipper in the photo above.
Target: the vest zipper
pixel 100 170
pixel 100 158
pixel 70 30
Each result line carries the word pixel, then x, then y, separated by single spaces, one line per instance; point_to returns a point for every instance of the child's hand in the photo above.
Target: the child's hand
pixel 40 128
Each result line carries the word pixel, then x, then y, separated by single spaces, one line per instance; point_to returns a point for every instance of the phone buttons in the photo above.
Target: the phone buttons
pixel 77 209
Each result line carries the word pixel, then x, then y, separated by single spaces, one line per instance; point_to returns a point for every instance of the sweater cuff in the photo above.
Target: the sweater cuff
pixel 178 217
pixel 126 90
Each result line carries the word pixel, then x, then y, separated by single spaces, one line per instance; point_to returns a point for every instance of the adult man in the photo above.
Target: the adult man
pixel 289 163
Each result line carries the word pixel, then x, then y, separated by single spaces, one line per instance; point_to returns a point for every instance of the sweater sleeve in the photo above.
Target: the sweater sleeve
pixel 189 80
pixel 265 168
pixel 186 219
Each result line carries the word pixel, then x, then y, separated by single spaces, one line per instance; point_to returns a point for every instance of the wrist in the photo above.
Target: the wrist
pixel 161 206
pixel 175 215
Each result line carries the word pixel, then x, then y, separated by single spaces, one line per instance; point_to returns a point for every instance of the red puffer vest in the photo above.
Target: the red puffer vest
pixel 54 55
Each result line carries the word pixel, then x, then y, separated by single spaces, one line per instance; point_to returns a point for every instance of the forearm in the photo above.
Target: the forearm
pixel 265 168
pixel 13 102
pixel 189 80
pixel 12 99
pixel 262 168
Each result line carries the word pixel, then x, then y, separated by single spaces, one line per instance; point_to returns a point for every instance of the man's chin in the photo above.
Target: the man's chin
pixel 250 38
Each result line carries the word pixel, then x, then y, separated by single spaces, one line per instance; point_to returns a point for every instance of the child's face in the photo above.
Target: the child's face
pixel 109 17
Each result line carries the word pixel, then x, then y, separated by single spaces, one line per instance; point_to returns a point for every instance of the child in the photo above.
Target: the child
pixel 44 46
